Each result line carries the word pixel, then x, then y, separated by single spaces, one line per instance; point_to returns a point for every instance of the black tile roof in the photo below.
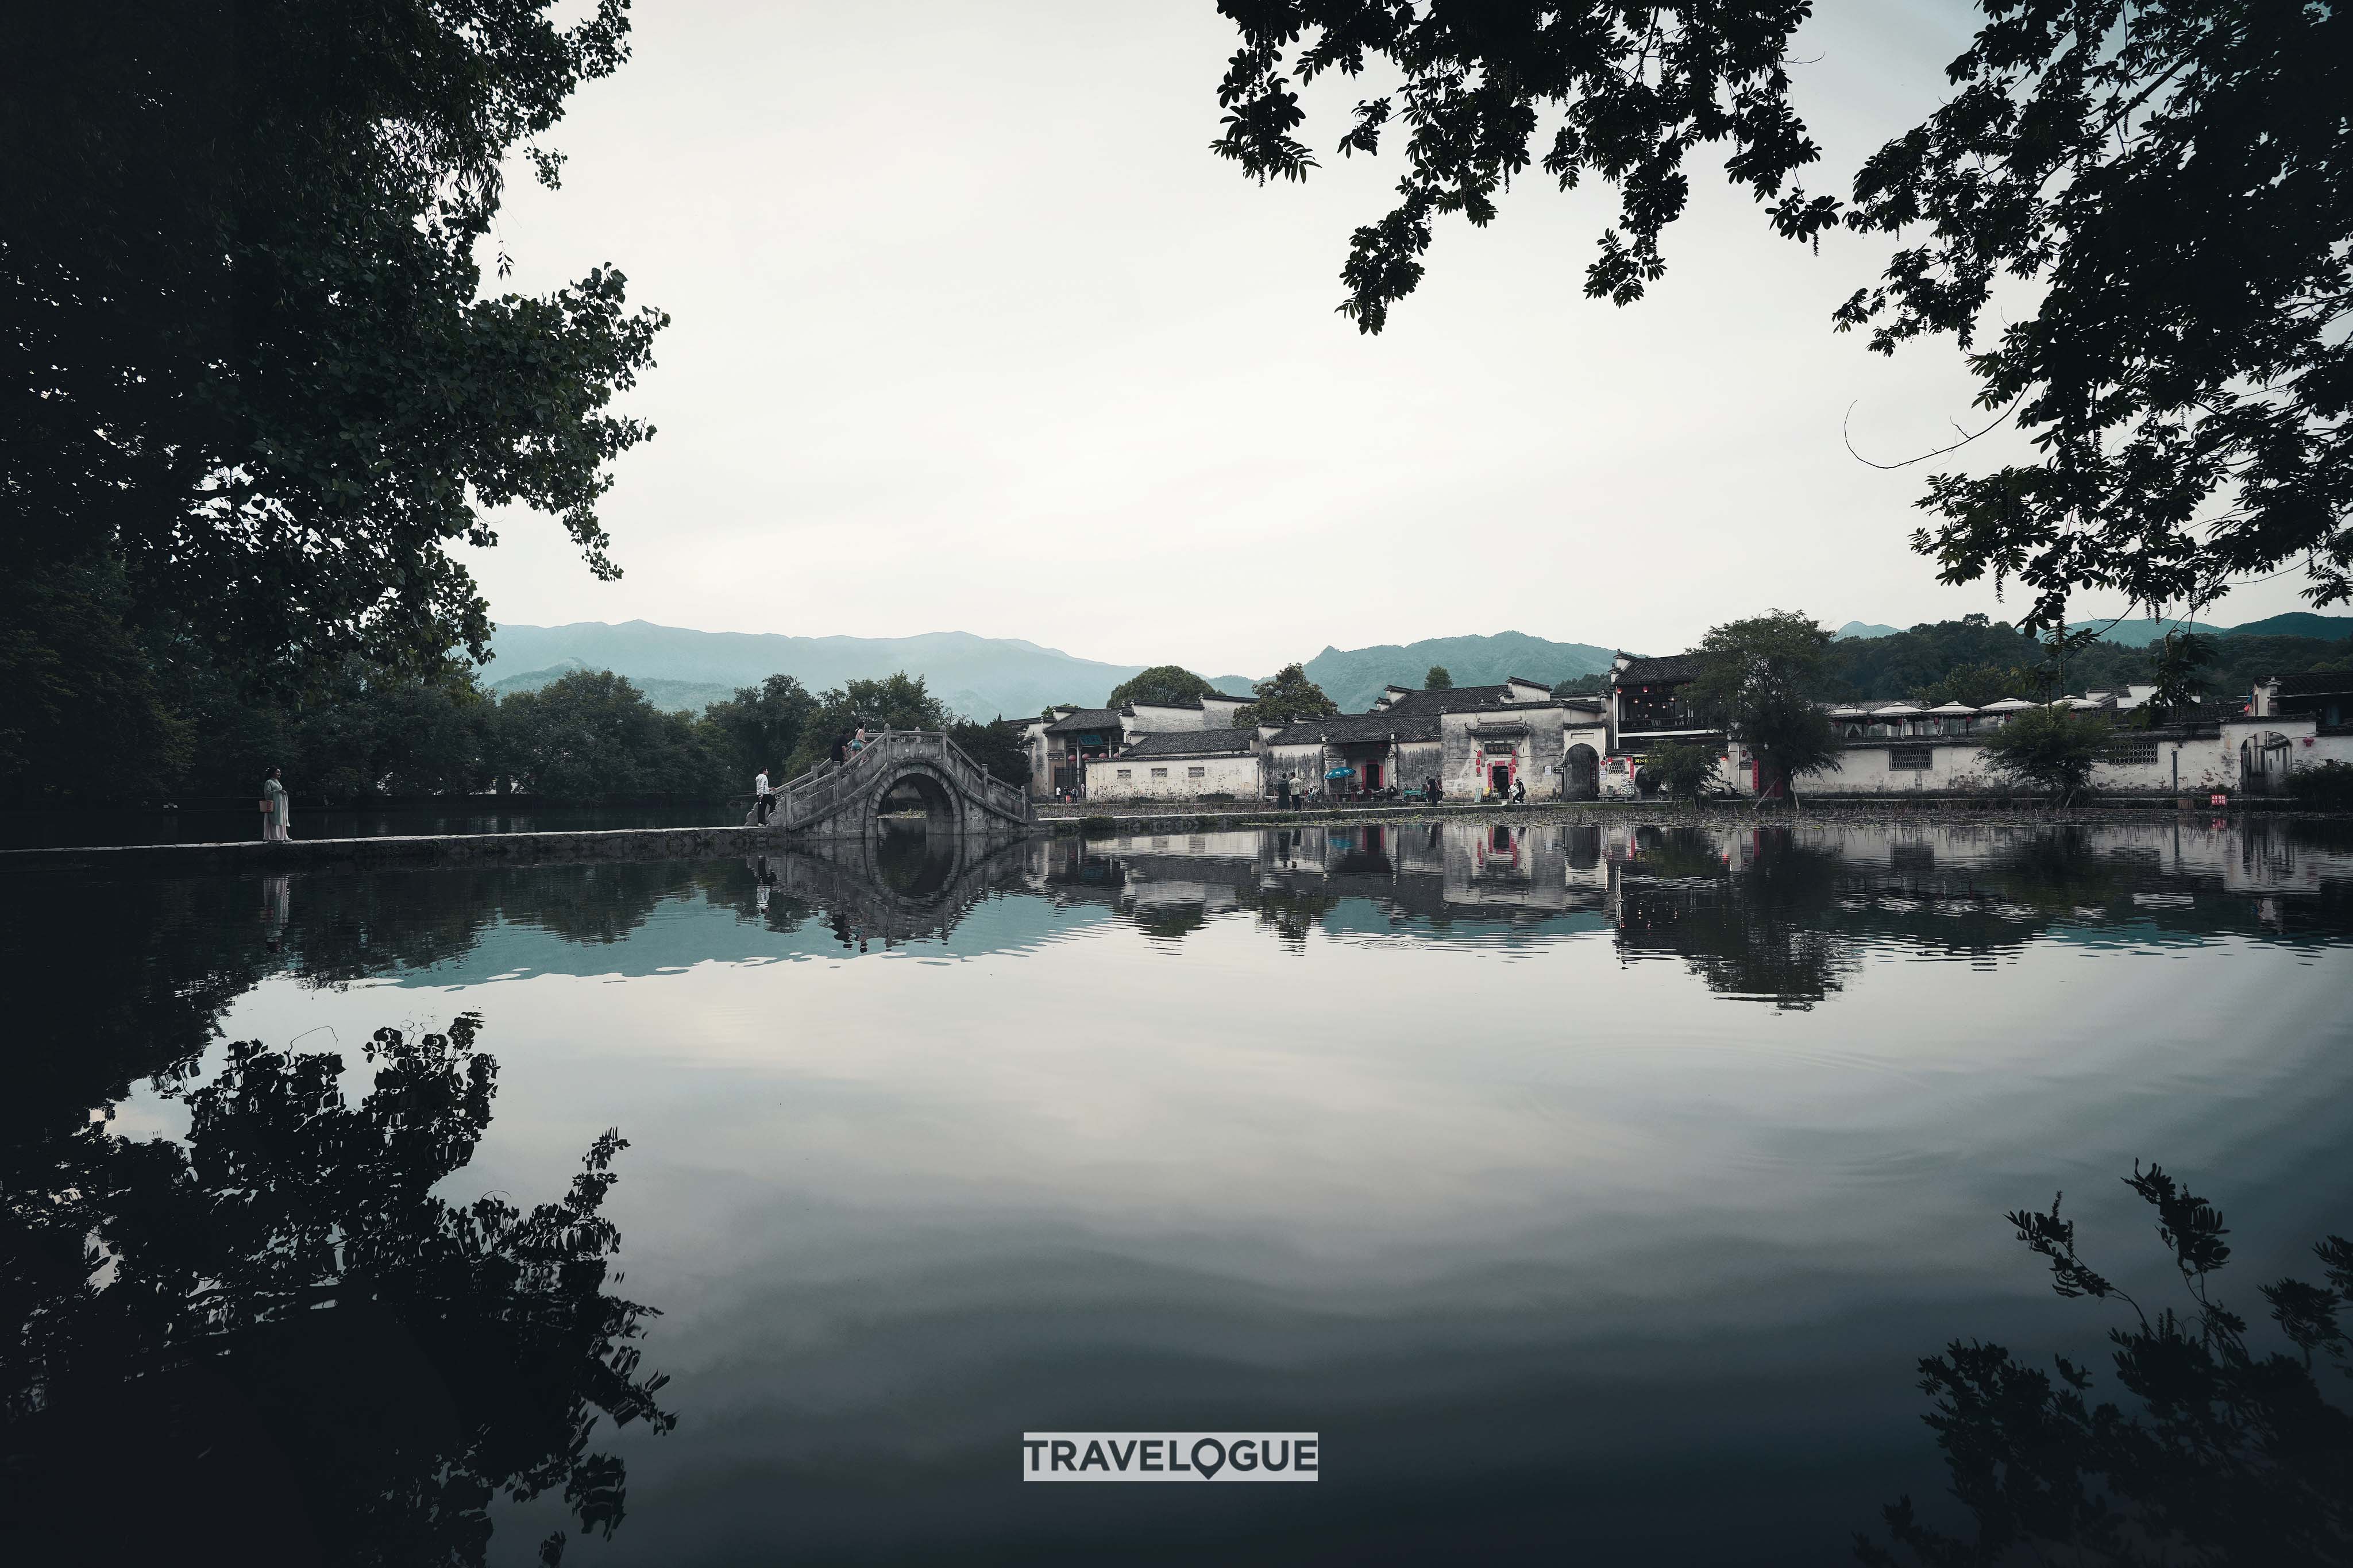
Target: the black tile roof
pixel 1191 743
pixel 1458 699
pixel 2317 683
pixel 1344 728
pixel 1228 697
pixel 1660 672
pixel 1085 719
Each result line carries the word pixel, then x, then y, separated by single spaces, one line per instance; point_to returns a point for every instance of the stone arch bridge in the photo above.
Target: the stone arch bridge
pixel 846 800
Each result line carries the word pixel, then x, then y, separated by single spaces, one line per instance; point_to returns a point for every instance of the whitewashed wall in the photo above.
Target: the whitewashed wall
pixel 1173 779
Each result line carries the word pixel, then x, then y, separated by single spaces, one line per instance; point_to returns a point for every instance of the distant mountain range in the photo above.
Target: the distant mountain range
pixel 681 696
pixel 1355 677
pixel 983 678
pixel 2140 634
pixel 975 675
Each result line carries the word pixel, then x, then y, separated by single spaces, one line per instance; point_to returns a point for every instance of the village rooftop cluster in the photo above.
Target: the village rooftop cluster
pixel 1475 743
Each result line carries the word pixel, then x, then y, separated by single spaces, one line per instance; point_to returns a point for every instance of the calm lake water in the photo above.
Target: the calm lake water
pixel 1592 1193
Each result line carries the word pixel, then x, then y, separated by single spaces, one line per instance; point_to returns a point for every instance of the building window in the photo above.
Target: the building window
pixel 1160 772
pixel 1197 773
pixel 2131 753
pixel 1911 759
pixel 1128 773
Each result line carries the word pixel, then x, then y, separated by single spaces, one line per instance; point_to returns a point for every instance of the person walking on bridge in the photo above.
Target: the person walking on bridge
pixel 840 753
pixel 764 799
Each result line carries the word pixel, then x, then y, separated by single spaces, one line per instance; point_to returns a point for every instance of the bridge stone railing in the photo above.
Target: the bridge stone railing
pixel 831 788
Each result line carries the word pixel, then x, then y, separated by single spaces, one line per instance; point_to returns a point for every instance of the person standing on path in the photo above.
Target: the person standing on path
pixel 763 798
pixel 277 815
pixel 1282 792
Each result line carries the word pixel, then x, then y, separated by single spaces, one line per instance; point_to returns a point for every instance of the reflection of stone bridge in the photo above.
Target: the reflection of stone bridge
pixel 920 767
pixel 897 886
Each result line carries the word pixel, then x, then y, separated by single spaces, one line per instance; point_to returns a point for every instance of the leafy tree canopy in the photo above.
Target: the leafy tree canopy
pixel 1440 678
pixel 996 745
pixel 2171 178
pixel 1284 696
pixel 591 734
pixel 761 726
pixel 1761 678
pixel 259 371
pixel 2053 749
pixel 1684 770
pixel 1161 683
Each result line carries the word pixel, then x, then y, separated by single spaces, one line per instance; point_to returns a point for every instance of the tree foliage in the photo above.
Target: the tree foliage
pixel 1438 678
pixel 2232 1455
pixel 760 727
pixel 1683 770
pixel 2169 177
pixel 893 701
pixel 1633 90
pixel 1161 683
pixel 1761 678
pixel 591 734
pixel 257 370
pixel 2053 749
pixel 2173 176
pixel 996 745
pixel 1284 696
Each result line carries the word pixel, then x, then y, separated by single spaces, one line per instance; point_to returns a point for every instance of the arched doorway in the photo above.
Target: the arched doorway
pixel 2263 762
pixel 1581 774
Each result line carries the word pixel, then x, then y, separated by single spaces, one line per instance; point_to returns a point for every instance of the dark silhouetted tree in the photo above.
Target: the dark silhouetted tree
pixel 2171 180
pixel 260 372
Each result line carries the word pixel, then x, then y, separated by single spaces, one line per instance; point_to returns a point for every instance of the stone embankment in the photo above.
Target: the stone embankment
pixel 1101 821
pixel 254 857
pixel 423 849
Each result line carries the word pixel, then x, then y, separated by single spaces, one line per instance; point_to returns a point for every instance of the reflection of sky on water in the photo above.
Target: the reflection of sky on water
pixel 1495 1179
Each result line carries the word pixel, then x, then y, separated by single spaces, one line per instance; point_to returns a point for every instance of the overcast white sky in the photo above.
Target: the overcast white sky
pixel 971 333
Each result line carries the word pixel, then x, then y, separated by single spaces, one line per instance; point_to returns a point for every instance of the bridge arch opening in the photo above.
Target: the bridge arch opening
pixel 919 791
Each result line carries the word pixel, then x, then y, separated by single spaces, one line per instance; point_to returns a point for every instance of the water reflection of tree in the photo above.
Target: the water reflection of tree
pixel 1289 912
pixel 1760 931
pixel 2232 1455
pixel 276 1335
